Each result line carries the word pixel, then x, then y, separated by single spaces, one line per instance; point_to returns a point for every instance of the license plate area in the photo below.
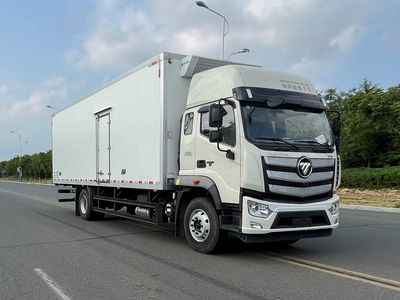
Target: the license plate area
pixel 301 222
pixel 300 219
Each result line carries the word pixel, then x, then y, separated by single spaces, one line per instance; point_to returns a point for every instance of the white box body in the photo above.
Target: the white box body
pixel 127 133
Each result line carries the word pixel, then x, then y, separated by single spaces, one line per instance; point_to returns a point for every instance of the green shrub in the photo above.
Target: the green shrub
pixel 371 178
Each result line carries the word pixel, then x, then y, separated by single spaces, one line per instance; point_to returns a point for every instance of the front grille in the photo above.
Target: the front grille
pixel 300 219
pixel 282 179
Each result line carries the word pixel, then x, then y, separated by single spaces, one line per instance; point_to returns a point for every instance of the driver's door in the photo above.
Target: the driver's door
pixel 213 163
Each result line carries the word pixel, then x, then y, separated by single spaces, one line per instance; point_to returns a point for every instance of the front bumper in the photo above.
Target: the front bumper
pixel 259 226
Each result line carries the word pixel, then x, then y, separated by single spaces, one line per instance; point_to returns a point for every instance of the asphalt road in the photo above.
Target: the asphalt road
pixel 48 253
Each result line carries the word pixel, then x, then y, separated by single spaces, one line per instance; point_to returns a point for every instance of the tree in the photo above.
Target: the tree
pixel 370 124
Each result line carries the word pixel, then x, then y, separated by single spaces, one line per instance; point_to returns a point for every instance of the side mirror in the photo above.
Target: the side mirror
pixel 215 136
pixel 336 128
pixel 215 115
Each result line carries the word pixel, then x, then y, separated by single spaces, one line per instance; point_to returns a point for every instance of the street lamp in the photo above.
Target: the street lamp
pixel 19 139
pixel 244 50
pixel 52 107
pixel 202 4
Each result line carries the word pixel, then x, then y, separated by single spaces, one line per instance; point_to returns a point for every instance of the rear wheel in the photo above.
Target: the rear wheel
pixel 201 225
pixel 85 206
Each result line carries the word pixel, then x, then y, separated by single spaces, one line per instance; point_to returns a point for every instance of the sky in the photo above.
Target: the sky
pixel 56 52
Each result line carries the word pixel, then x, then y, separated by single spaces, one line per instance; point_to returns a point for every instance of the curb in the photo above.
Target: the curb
pixel 19 182
pixel 371 208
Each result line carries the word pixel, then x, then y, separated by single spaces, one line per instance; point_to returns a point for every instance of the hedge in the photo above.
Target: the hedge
pixel 371 178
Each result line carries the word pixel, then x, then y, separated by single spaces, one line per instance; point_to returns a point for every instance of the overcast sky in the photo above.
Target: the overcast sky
pixel 55 52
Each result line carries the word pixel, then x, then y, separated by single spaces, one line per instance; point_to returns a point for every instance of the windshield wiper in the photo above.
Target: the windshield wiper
pixel 277 140
pixel 315 142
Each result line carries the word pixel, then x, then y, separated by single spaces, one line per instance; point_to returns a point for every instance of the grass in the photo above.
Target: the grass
pixel 371 178
pixel 371 186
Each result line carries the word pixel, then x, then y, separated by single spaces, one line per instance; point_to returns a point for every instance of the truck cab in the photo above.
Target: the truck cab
pixel 260 143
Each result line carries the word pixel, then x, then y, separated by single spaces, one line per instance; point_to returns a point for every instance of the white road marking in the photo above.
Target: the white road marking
pixel 52 284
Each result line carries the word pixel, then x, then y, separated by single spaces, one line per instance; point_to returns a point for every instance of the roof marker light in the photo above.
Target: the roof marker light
pixel 249 93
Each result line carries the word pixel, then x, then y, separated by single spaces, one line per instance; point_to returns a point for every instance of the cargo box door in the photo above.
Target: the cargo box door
pixel 103 150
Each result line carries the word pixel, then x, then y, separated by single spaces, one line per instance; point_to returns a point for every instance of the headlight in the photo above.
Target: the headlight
pixel 334 209
pixel 257 209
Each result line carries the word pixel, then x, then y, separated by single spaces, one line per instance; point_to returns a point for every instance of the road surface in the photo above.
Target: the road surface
pixel 48 253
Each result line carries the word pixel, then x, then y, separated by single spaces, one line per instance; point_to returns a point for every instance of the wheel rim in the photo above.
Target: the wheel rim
pixel 83 204
pixel 199 225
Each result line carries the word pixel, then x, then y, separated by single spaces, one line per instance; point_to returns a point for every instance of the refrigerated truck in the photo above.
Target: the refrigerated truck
pixel 211 146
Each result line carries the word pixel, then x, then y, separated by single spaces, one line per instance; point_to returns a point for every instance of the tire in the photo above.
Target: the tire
pixel 201 225
pixel 85 207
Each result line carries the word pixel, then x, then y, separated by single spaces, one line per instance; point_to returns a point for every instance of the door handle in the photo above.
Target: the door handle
pixel 201 163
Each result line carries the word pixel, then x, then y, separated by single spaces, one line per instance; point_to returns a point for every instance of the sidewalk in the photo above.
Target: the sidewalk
pixel 370 208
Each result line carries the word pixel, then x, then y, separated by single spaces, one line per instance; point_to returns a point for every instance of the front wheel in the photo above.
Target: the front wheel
pixel 201 225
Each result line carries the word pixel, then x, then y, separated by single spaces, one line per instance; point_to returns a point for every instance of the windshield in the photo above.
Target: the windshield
pixel 290 128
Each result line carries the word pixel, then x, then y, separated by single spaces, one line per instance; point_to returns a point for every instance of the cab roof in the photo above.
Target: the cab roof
pixel 218 82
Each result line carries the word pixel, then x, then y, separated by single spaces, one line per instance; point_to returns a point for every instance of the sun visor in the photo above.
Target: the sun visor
pixel 276 98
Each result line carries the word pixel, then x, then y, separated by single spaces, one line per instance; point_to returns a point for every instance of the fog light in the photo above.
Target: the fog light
pixel 255 225
pixel 257 209
pixel 334 209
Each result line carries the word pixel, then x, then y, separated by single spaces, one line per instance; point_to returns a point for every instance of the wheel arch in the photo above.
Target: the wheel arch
pixel 190 189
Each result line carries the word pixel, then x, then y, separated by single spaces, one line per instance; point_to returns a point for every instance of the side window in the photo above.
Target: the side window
pixel 188 125
pixel 228 127
pixel 204 128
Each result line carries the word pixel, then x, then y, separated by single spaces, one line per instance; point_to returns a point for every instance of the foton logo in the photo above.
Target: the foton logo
pixel 304 167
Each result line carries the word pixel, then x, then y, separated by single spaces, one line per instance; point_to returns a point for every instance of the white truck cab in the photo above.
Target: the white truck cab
pixel 261 139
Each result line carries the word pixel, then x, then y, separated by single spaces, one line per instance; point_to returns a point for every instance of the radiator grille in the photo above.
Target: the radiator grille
pixel 282 178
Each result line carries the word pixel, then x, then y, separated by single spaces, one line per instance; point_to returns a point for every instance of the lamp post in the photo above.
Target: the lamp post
pixel 244 50
pixel 19 139
pixel 24 143
pixel 202 4
pixel 52 107
pixel 19 169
